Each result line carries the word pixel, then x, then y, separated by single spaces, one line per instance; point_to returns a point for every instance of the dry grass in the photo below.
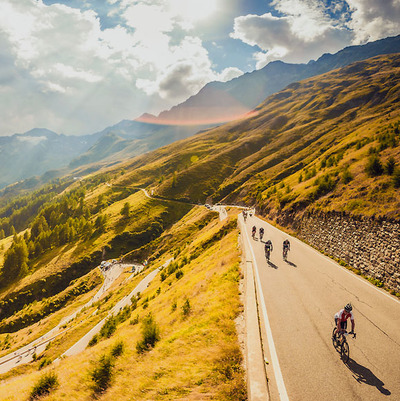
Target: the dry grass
pixel 189 360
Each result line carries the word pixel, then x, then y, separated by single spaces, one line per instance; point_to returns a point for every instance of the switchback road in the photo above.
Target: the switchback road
pixel 301 296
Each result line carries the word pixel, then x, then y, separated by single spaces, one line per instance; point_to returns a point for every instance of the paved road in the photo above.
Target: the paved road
pixel 25 353
pixel 301 296
pixel 80 345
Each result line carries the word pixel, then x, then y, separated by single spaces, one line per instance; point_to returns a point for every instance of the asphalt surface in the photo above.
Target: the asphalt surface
pixel 301 296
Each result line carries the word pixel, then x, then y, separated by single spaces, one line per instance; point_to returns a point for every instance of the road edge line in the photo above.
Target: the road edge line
pixel 257 380
pixel 271 345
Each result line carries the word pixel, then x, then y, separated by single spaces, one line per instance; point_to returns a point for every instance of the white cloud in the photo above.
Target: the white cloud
pixel 373 20
pixel 61 70
pixel 304 29
pixel 229 73
pixel 280 37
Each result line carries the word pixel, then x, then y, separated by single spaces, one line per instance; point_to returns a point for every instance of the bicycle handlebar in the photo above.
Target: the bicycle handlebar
pixel 345 333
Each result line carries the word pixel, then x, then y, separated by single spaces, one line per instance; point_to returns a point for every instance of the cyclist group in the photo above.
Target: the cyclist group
pixel 340 317
pixel 268 247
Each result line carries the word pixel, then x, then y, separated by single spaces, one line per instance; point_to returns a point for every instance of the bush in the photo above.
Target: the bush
pixel 101 374
pixel 325 184
pixel 45 361
pixel 47 382
pixel 389 166
pixel 94 340
pixel 108 327
pixel 124 314
pixel 346 176
pixel 186 308
pixel 150 334
pixel 374 166
pixel 117 349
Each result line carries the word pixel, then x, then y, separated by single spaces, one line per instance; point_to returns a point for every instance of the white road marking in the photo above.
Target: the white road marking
pixel 275 362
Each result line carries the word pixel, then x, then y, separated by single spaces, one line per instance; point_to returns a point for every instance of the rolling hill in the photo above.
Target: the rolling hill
pixel 317 128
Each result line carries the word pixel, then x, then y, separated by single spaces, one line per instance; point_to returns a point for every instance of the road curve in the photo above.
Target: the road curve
pixel 301 296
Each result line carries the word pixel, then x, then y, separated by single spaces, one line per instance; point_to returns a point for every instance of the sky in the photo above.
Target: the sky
pixel 78 66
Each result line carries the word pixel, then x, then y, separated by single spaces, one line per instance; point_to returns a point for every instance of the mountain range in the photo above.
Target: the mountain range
pixel 39 151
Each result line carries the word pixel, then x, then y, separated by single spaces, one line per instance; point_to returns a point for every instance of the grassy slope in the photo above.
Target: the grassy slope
pixel 197 357
pixel 292 132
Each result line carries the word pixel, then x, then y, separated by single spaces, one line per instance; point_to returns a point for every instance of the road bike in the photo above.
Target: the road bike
pixel 340 343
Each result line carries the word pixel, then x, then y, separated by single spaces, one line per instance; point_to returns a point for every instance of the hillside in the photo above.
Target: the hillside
pixel 224 101
pixel 307 146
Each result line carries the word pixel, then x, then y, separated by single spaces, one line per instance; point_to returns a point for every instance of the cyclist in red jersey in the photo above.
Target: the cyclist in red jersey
pixel 341 319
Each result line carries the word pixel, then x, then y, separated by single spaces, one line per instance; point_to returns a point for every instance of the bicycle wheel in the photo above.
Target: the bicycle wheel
pixel 335 337
pixel 345 352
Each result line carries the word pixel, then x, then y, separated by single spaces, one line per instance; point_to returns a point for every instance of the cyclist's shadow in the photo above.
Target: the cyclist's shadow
pixel 364 375
pixel 290 263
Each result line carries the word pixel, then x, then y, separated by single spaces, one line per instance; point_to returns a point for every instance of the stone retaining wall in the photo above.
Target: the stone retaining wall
pixel 372 246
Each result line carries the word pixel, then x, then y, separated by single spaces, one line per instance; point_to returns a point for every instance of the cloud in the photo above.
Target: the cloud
pixel 301 30
pixel 373 20
pixel 280 38
pixel 229 73
pixel 60 67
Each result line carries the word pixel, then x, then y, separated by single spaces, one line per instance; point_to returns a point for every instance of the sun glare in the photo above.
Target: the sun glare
pixel 195 10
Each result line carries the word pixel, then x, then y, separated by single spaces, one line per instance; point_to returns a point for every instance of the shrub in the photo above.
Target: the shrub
pixel 101 374
pixel 108 327
pixel 179 274
pixel 325 184
pixel 117 349
pixel 389 166
pixel 150 334
pixel 47 382
pixel 93 341
pixel 123 314
pixel 374 166
pixel 186 308
pixel 346 176
pixel 134 303
pixel 173 306
pixel 45 361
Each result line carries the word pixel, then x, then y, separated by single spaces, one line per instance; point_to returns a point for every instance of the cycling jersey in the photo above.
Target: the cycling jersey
pixel 268 245
pixel 342 315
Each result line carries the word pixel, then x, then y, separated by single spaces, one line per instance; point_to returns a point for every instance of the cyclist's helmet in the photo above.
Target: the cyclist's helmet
pixel 348 308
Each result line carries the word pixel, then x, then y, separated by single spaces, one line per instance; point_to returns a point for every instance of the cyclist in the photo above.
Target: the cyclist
pixel 244 215
pixel 253 231
pixel 286 248
pixel 261 233
pixel 268 248
pixel 341 319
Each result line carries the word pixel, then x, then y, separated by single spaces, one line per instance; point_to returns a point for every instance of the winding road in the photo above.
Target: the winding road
pixel 25 353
